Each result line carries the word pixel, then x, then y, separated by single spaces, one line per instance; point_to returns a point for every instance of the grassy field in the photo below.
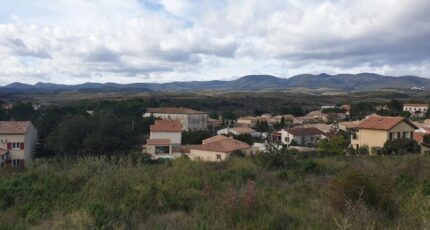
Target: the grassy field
pixel 281 191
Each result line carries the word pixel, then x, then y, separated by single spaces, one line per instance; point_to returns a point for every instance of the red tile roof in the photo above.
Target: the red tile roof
pixel 416 104
pixel 173 110
pixel 243 130
pixel 383 123
pixel 158 142
pixel 224 146
pixel 166 126
pixel 305 131
pixel 14 127
pixel 214 139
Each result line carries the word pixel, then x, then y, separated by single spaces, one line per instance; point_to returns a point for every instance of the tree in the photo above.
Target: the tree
pixel 400 146
pixel 229 115
pixel 405 114
pixel 22 112
pixel 332 146
pixel 247 138
pixel 395 106
pixel 68 137
pixel 213 115
pixel 194 137
pixel 297 111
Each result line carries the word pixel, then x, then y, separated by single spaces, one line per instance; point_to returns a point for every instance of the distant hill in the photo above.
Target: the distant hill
pixel 362 81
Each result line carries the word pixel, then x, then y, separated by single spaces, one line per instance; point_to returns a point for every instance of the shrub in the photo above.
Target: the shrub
pixel 363 150
pixel 400 146
pixel 356 187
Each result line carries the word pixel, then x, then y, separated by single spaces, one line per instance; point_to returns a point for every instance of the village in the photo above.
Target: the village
pixel 249 135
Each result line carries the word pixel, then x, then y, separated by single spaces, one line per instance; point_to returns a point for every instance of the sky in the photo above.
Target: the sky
pixel 124 41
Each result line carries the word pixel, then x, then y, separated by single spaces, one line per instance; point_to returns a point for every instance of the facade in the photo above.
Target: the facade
pixel 299 136
pixel 218 150
pixel 374 131
pixel 190 119
pixel 415 108
pixel 165 139
pixel 17 143
pixel 238 131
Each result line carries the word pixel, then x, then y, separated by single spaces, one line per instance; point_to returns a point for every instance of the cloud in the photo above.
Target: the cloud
pixel 72 41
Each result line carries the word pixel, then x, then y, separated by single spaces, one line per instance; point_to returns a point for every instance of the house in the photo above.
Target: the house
pixel 303 120
pixel 238 131
pixel 317 116
pixel 17 143
pixel 214 122
pixel 218 150
pixel 248 120
pixel 416 108
pixel 164 139
pixel 348 125
pixel 214 139
pixel 374 131
pixel 323 127
pixel 300 136
pixel 324 107
pixel 190 119
pixel 425 148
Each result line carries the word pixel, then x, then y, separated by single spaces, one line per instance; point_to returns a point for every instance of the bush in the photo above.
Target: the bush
pixel 400 146
pixel 363 150
pixel 356 187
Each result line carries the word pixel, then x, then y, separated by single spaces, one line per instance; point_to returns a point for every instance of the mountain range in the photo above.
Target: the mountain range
pixel 348 82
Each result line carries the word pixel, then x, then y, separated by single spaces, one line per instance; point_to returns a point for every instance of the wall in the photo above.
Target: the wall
pixel 190 122
pixel 204 155
pixel 174 137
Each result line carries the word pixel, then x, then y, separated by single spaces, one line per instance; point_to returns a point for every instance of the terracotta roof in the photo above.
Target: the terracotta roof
pixel 166 126
pixel 245 130
pixel 173 110
pixel 383 123
pixel 224 146
pixel 14 127
pixel 3 151
pixel 305 131
pixel 316 113
pixel 158 142
pixel 214 139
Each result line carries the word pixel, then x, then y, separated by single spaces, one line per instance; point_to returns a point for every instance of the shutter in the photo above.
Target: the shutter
pixel 22 146
pixel 9 146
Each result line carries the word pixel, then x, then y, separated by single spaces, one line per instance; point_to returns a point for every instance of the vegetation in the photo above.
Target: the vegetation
pixel 283 190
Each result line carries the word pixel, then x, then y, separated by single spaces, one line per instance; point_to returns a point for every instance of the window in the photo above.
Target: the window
pixel 391 136
pixel 218 157
pixel 16 163
pixel 16 145
pixel 287 139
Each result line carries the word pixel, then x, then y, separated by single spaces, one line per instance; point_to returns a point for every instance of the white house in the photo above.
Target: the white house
pixel 165 139
pixel 238 131
pixel 416 108
pixel 301 136
pixel 17 142
pixel 190 119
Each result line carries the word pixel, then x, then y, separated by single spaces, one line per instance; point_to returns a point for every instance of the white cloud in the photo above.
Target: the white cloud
pixel 74 41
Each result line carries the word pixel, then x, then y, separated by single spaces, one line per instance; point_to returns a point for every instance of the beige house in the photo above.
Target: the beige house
pixel 376 130
pixel 17 142
pixel 248 120
pixel 190 119
pixel 218 150
pixel 165 139
pixel 416 108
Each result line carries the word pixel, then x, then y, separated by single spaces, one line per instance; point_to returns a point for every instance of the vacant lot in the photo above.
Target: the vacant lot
pixel 277 191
